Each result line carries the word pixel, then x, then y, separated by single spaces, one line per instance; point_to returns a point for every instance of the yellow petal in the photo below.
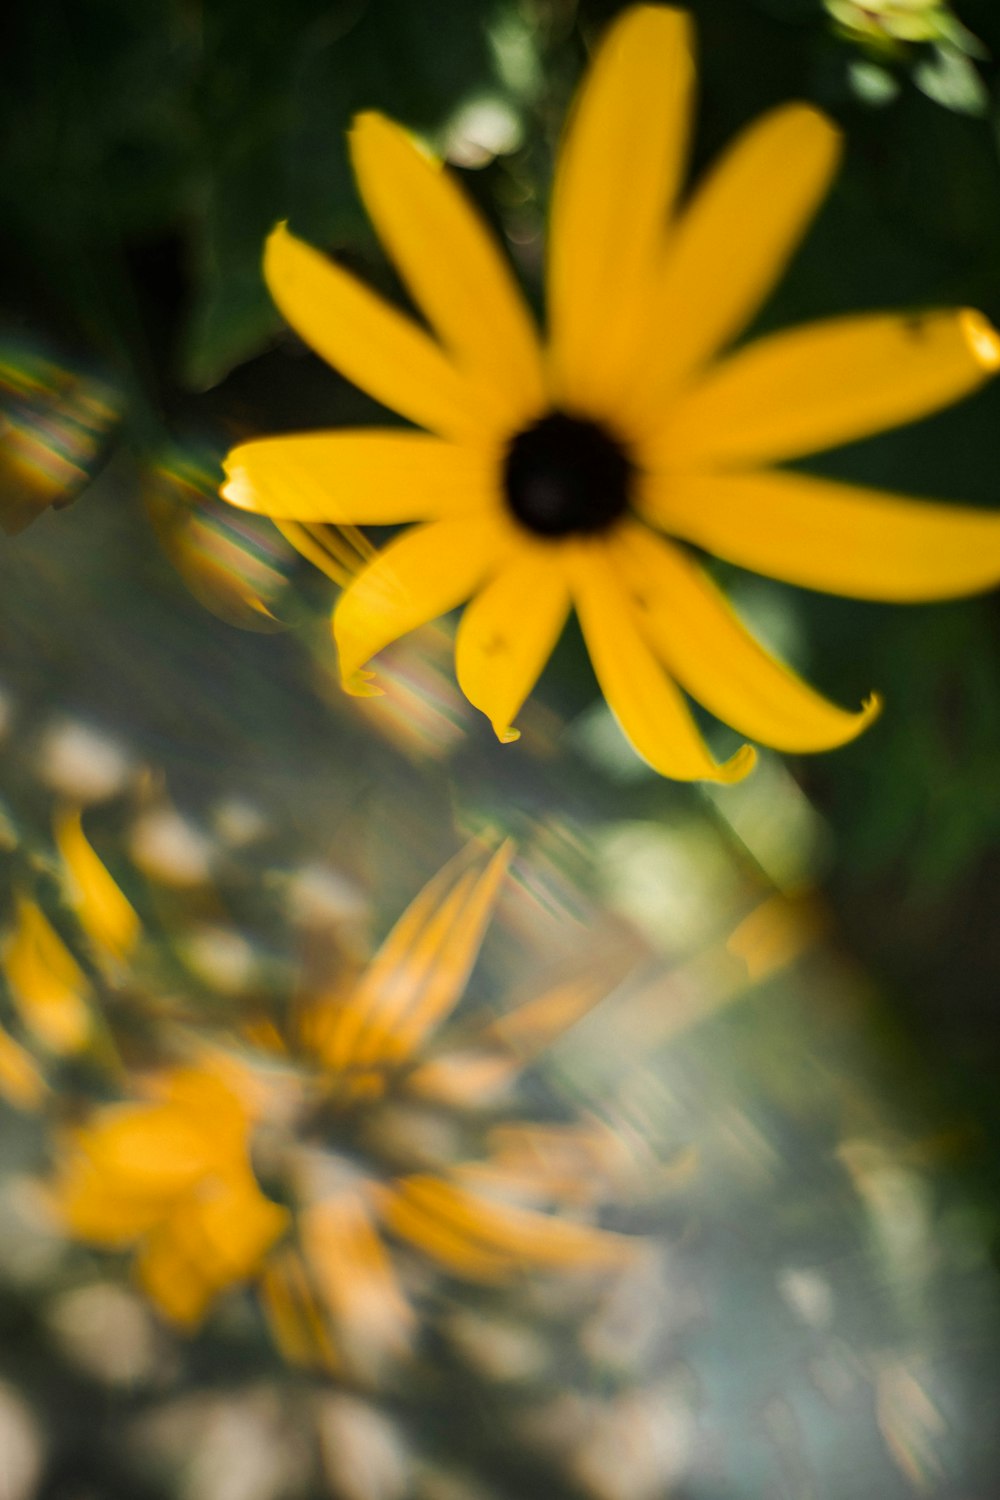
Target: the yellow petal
pixel 828 383
pixel 46 983
pixel 507 634
pixel 692 629
pixel 424 573
pixel 534 1025
pixel 236 1225
pixel 88 1210
pixel 293 1313
pixel 151 1152
pixel 731 246
pixel 524 1238
pixel 172 1278
pixel 346 1017
pixel 650 709
pixel 106 915
pixel 358 477
pixel 355 1279
pixel 209 1242
pixel 617 177
pixel 419 974
pixel 452 266
pixel 453 942
pixel 866 544
pixel 21 1082
pixel 441 1242
pixel 368 341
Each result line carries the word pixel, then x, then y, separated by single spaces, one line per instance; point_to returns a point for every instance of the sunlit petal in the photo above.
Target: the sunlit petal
pixel 420 972
pixel 828 383
pixel 369 342
pixel 730 247
pixel 617 177
pixel 46 983
pixel 507 634
pixel 650 709
pixel 866 544
pixel 293 1312
pixel 147 1151
pixel 105 913
pixel 714 657
pixel 355 1279
pixel 21 1082
pixel 358 477
pixel 485 1237
pixel 423 1228
pixel 424 573
pixel 452 265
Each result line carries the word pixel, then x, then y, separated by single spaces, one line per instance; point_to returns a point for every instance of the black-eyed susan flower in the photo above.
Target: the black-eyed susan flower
pixel 361 1126
pixel 577 473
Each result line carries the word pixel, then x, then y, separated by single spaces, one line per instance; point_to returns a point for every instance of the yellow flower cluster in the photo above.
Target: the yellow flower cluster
pixel 170 1171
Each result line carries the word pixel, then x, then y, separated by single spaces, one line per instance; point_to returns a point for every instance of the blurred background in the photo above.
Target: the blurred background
pixel 793 1066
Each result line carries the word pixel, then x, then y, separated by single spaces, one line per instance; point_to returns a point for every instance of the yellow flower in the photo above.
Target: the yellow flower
pixel 573 475
pixel 170 1175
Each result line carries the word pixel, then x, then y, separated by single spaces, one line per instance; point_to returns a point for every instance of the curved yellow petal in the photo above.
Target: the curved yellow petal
pixel 419 974
pixel 424 573
pixel 828 383
pixel 88 1209
pixel 507 634
pixel 647 705
pixel 525 1237
pixel 693 630
pixel 368 341
pixel 730 247
pixel 358 477
pixel 148 1152
pixel 46 983
pixel 452 266
pixel 839 538
pixel 105 913
pixel 21 1082
pixel 617 176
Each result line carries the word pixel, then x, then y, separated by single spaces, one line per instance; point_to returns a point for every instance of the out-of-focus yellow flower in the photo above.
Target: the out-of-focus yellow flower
pixel 575 474
pixel 171 1175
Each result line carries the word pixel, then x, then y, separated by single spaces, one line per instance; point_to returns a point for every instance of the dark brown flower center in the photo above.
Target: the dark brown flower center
pixel 566 475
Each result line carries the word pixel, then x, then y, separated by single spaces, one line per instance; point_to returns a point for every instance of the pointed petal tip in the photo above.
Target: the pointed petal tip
pixel 737 767
pixel 981 337
pixel 506 733
pixel 854 724
pixel 277 246
pixel 361 684
pixel 871 707
pixel 278 236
